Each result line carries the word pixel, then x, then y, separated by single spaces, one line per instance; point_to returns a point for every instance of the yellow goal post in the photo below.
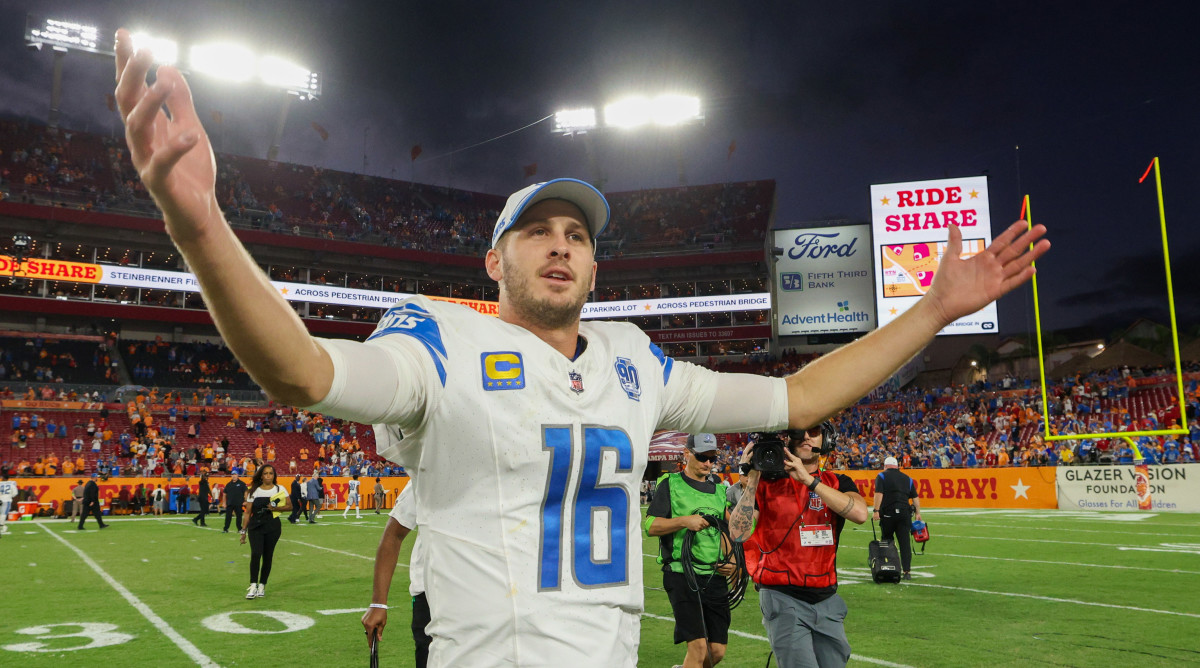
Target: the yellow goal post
pixel 1162 220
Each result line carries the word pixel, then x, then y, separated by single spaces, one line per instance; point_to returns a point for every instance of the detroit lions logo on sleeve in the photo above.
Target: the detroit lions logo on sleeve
pixel 413 320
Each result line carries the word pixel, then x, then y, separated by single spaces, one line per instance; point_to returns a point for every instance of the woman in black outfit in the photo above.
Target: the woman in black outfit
pixel 265 501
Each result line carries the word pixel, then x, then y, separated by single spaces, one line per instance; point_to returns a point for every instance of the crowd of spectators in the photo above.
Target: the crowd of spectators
pixel 170 439
pixel 47 163
pixel 45 359
pixel 184 365
pixel 999 423
pixel 94 172
pixel 984 424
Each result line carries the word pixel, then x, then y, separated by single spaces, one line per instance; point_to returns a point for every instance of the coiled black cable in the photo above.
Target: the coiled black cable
pixel 736 581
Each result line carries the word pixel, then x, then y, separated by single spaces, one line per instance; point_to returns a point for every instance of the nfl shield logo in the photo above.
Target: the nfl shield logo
pixel 576 381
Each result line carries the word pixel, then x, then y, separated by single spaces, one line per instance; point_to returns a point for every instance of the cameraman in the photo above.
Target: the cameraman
pixel 791 518
pixel 893 489
pixel 680 503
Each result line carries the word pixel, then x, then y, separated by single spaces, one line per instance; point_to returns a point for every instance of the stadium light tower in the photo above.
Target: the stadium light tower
pixel 235 63
pixel 226 61
pixel 667 110
pixel 62 36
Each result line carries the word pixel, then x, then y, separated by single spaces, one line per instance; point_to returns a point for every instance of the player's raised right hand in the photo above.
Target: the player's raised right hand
pixel 172 154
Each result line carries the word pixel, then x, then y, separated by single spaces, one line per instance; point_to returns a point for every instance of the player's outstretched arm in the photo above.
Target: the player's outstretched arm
pixel 960 287
pixel 174 158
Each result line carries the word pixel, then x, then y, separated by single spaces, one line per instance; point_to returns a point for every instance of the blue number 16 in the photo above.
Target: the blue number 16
pixel 590 499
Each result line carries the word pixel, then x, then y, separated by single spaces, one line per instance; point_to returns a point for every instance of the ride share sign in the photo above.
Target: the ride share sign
pixel 823 280
pixel 909 222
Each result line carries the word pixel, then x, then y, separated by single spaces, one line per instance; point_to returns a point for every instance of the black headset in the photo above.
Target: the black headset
pixel 829 437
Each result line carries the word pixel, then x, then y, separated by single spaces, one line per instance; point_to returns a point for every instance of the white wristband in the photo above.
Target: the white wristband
pixel 381 606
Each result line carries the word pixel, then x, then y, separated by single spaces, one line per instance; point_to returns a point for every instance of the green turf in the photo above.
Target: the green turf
pixel 186 574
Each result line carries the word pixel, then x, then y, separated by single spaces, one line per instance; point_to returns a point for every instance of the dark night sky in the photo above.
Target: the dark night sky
pixel 825 98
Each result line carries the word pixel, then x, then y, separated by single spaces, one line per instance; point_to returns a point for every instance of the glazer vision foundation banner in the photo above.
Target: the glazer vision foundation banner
pixel 824 280
pixel 909 222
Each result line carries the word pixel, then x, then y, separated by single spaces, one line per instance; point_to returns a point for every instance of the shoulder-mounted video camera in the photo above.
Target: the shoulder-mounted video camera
pixel 768 457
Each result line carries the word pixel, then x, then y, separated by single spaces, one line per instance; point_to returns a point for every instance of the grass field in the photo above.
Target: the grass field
pixel 1010 588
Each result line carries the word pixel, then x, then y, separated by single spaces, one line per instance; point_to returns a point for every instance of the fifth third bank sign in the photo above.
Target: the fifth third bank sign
pixel 824 279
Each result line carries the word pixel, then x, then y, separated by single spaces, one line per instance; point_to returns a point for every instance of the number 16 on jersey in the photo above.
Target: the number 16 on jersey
pixel 591 500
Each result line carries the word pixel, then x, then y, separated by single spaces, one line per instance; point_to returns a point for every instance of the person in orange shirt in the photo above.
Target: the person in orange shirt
pixel 38 467
pixel 1002 457
pixel 321 454
pixel 303 454
pixel 67 467
pixel 258 453
pixel 80 464
pixel 270 452
pixel 237 414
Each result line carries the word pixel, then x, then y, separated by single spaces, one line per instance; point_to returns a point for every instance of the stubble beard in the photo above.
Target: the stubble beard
pixel 540 311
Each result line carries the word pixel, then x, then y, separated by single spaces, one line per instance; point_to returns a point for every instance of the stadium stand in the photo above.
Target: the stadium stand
pixel 93 172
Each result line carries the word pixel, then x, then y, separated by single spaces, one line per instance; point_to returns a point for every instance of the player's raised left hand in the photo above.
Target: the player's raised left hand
pixel 172 153
pixel 962 287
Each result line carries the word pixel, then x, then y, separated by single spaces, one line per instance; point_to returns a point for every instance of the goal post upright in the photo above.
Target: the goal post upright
pixel 1162 221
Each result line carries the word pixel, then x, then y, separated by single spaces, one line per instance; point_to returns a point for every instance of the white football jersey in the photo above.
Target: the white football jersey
pixel 529 467
pixel 405 512
pixel 8 489
pixel 352 487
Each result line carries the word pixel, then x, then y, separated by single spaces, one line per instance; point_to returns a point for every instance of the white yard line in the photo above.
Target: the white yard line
pixel 1056 599
pixel 1177 571
pixel 1034 540
pixel 966 514
pixel 743 634
pixel 1110 532
pixel 161 624
pixel 330 549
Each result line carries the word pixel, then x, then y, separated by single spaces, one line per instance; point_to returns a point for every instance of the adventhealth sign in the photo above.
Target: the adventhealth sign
pixel 824 280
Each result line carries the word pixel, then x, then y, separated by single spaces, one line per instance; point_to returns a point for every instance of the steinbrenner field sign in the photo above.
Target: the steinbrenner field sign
pixel 824 280
pixel 909 222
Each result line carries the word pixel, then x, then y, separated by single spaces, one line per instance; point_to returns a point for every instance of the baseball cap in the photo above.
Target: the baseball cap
pixel 890 461
pixel 583 195
pixel 702 443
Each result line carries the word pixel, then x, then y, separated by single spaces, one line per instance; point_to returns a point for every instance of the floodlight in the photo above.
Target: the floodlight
pixel 628 113
pixel 62 35
pixel 275 71
pixel 675 109
pixel 166 51
pixel 231 62
pixel 575 120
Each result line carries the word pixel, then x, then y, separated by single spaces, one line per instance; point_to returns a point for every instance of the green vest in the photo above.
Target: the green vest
pixel 706 545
